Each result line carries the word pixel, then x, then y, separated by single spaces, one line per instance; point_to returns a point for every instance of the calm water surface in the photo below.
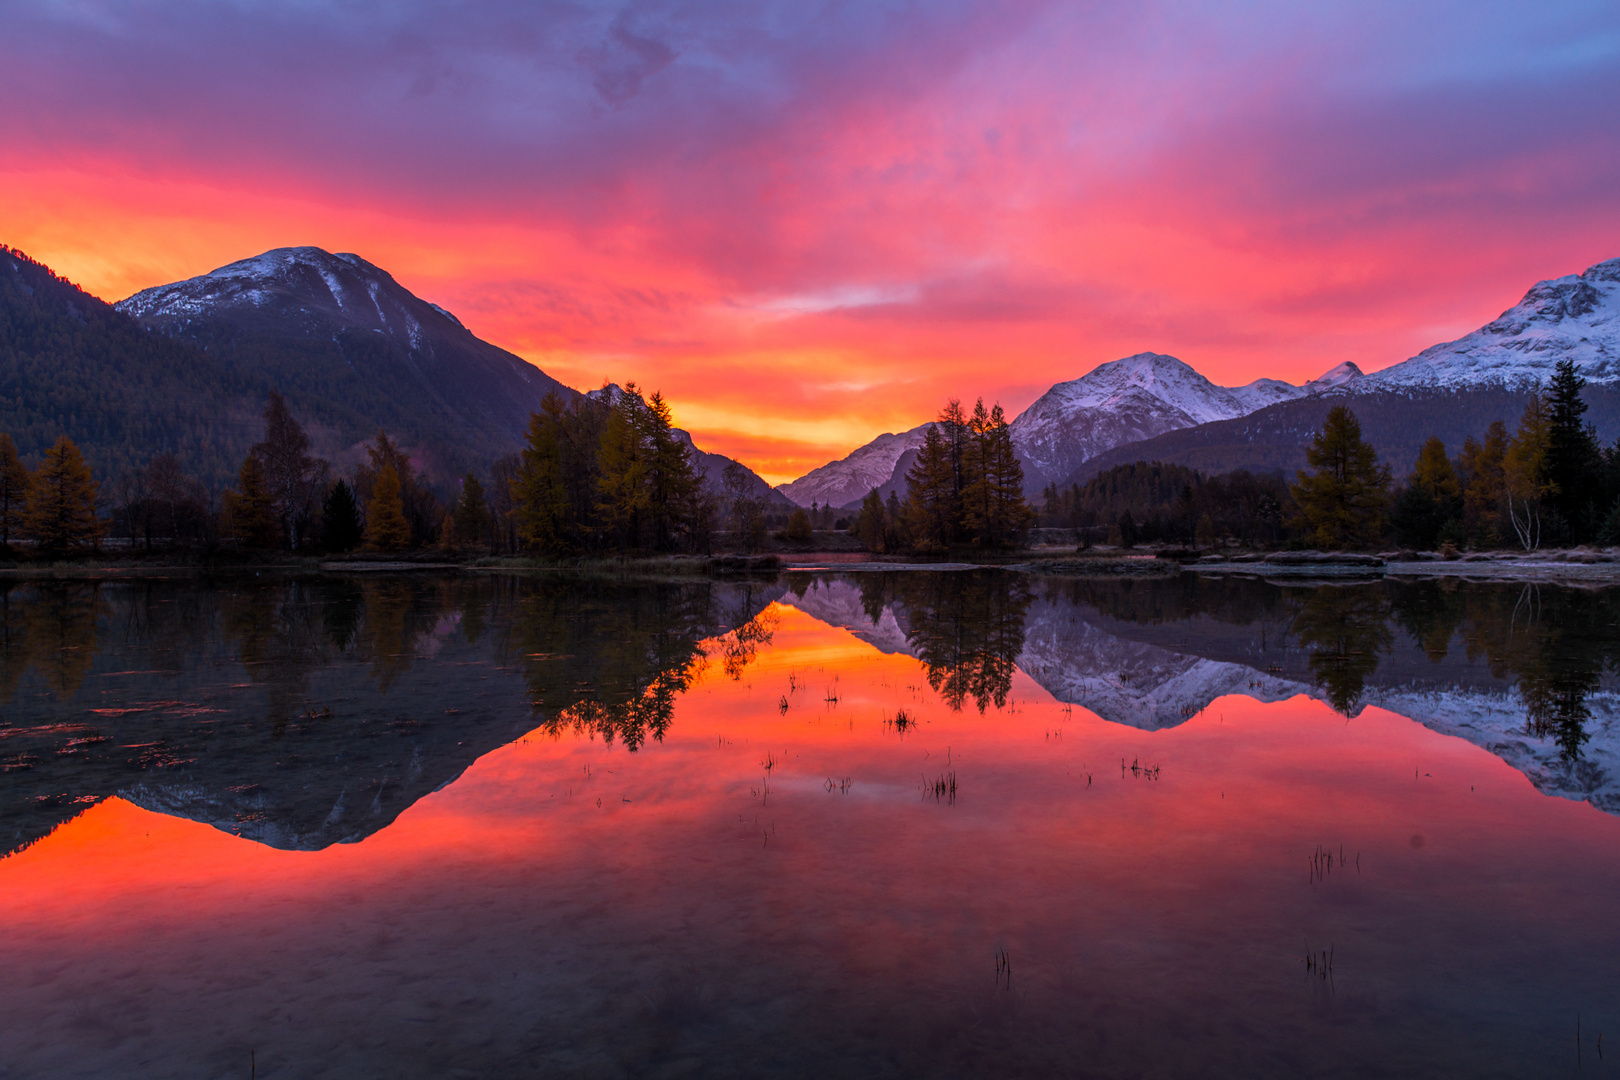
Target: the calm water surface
pixel 928 824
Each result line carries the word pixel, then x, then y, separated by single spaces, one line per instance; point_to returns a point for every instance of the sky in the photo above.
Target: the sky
pixel 808 222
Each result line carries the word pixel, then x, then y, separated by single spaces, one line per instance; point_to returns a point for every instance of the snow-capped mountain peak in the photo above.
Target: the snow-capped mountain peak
pixel 343 289
pixel 1576 316
pixel 1131 399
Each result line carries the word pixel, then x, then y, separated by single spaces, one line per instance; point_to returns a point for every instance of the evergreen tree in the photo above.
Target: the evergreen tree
pixel 540 492
pixel 1007 515
pixel 871 524
pixel 1573 459
pixel 1432 500
pixel 13 490
pixel 291 476
pixel 340 519
pixel 622 491
pixel 386 527
pixel 1484 484
pixel 471 516
pixel 250 517
pixel 672 486
pixel 1342 502
pixel 418 504
pixel 798 530
pixel 62 500
pixel 1127 529
pixel 931 498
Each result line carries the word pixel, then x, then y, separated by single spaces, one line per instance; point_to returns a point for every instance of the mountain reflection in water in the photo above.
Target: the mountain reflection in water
pixel 510 825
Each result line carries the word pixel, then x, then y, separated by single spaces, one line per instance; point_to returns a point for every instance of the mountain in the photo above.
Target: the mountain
pixel 71 364
pixel 1575 317
pixel 1453 390
pixel 186 368
pixel 354 351
pixel 847 480
pixel 1136 398
pixel 1122 401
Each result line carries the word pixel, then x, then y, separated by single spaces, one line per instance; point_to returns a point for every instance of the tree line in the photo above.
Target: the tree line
pixel 966 489
pixel 1547 482
pixel 607 473
pixel 604 473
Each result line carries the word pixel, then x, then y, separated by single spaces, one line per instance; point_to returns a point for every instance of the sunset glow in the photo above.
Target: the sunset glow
pixel 809 224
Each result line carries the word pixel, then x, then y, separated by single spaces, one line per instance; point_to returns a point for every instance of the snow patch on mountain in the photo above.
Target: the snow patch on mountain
pixel 1574 317
pixel 848 479
pixel 1136 398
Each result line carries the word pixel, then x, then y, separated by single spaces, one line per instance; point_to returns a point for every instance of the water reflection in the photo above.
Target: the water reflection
pixel 307 712
pixel 610 660
pixel 304 712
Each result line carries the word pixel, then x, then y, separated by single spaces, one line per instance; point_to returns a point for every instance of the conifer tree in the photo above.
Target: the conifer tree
pixel 931 499
pixel 1573 459
pixel 622 492
pixel 249 513
pixel 420 507
pixel 1484 484
pixel 540 491
pixel 292 477
pixel 62 500
pixel 471 516
pixel 871 524
pixel 13 490
pixel 1432 500
pixel 672 486
pixel 386 527
pixel 1342 502
pixel 340 519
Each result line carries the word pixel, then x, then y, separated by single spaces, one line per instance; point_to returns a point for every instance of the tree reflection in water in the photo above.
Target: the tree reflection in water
pixel 609 659
pixel 967 628
pixel 1346 630
pixel 52 629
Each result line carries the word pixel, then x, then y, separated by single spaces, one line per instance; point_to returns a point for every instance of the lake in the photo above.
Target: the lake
pixel 874 824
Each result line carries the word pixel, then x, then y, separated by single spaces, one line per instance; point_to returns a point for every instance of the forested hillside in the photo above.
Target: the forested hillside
pixel 353 351
pixel 72 365
pixel 1396 423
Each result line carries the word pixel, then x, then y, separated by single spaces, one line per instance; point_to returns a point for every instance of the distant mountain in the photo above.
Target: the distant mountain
pixel 1118 402
pixel 354 351
pixel 1453 390
pixel 847 480
pixel 1574 317
pixel 1136 398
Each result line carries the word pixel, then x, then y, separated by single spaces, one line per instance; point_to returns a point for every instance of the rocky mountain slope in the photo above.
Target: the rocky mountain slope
pixel 847 480
pixel 1575 317
pixel 1123 401
pixel 1453 390
pixel 1133 399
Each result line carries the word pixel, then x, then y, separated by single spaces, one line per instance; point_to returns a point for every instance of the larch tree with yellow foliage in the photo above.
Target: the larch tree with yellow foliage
pixel 386 527
pixel 62 500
